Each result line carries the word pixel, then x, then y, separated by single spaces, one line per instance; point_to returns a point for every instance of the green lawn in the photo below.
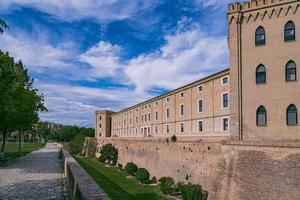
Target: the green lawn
pixel 11 151
pixel 115 183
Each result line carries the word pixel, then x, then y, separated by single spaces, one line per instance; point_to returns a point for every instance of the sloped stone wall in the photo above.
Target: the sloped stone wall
pixel 227 171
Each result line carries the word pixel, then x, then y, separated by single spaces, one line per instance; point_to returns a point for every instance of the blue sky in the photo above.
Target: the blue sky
pixel 110 54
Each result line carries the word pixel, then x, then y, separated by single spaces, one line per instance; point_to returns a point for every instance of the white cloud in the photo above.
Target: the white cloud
pixel 70 10
pixel 35 51
pixel 104 58
pixel 76 105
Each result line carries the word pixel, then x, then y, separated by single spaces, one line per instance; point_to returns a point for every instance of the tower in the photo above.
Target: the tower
pixel 103 123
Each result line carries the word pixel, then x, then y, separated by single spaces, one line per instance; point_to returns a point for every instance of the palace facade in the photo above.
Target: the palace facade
pixel 257 98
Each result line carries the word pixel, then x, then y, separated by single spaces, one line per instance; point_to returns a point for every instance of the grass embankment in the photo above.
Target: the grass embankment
pixel 116 185
pixel 11 151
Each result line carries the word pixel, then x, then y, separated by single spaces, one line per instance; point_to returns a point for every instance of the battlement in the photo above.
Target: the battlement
pixel 256 4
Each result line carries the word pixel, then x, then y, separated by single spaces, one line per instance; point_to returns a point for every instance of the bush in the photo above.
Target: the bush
pixel 142 175
pixel 76 144
pixel 173 138
pixel 154 179
pixel 130 168
pixel 167 185
pixel 108 154
pixel 191 192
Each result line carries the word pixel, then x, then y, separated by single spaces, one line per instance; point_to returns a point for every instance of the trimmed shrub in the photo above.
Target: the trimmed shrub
pixel 204 195
pixel 173 138
pixel 108 154
pixel 130 168
pixel 167 185
pixel 142 175
pixel 191 192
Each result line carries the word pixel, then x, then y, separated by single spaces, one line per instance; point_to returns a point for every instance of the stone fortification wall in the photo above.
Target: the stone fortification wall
pixel 228 171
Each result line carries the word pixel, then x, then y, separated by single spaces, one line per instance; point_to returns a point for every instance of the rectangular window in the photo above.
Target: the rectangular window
pixel 181 110
pixel 225 100
pixel 149 117
pixel 200 106
pixel 167 129
pixel 168 112
pixel 156 115
pixel 200 88
pixel 141 130
pixel 200 126
pixel 225 124
pixel 167 99
pixel 156 103
pixel 181 94
pixel 225 80
pixel 130 121
pixel 142 118
pixel 136 119
pixel 145 117
pixel 155 129
pixel 181 127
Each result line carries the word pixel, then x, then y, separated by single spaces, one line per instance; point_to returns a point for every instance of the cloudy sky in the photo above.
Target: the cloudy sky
pixel 109 54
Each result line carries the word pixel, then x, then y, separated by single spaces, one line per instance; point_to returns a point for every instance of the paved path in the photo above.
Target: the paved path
pixel 37 175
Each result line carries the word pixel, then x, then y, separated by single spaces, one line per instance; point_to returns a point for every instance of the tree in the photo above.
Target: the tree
pixel 20 102
pixel 3 26
pixel 109 154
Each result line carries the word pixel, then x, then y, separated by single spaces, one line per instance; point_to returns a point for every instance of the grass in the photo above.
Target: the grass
pixel 11 151
pixel 116 185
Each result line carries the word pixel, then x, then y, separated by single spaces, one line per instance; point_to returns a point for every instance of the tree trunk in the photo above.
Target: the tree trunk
pixel 3 141
pixel 20 135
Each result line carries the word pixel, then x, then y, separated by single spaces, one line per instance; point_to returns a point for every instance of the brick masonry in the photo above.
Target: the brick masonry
pixel 228 171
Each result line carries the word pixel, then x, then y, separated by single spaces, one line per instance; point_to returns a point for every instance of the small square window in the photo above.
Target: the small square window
pixel 181 94
pixel 225 80
pixel 167 99
pixel 200 88
pixel 156 103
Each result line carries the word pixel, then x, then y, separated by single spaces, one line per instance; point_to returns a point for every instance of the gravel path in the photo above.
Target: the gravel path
pixel 37 175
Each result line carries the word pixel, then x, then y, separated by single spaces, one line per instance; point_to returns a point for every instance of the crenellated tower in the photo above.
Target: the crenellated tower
pixel 258 43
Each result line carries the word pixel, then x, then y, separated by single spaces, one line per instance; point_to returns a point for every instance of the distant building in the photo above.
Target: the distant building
pixel 53 126
pixel 257 98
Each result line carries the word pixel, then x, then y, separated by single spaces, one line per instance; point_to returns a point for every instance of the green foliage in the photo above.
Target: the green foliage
pixel 173 138
pixel 76 144
pixel 130 168
pixel 191 192
pixel 67 133
pixel 167 185
pixel 142 175
pixel 108 154
pixel 19 100
pixel 3 26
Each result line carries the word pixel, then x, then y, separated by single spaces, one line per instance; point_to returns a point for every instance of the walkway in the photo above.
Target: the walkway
pixel 37 175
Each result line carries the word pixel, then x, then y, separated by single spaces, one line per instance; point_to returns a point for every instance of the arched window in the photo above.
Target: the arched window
pixel 260 74
pixel 290 71
pixel 291 115
pixel 289 31
pixel 261 116
pixel 260 37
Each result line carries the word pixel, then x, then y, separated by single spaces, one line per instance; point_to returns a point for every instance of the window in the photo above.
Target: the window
pixel 181 94
pixel 225 80
pixel 181 127
pixel 200 126
pixel 124 122
pixel 292 115
pixel 167 99
pixel 156 115
pixel 225 100
pixel 261 116
pixel 289 31
pixel 149 117
pixel 136 119
pixel 225 124
pixel 149 105
pixel 167 129
pixel 261 74
pixel 145 117
pixel 290 71
pixel 130 121
pixel 168 112
pixel 260 38
pixel 149 131
pixel 181 110
pixel 200 88
pixel 100 117
pixel 200 105
pixel 156 129
pixel 142 118
pixel 156 103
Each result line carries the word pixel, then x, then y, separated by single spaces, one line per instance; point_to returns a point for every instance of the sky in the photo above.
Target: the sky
pixel 88 55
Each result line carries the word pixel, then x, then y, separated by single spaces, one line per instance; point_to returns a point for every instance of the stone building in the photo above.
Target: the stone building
pixel 257 98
